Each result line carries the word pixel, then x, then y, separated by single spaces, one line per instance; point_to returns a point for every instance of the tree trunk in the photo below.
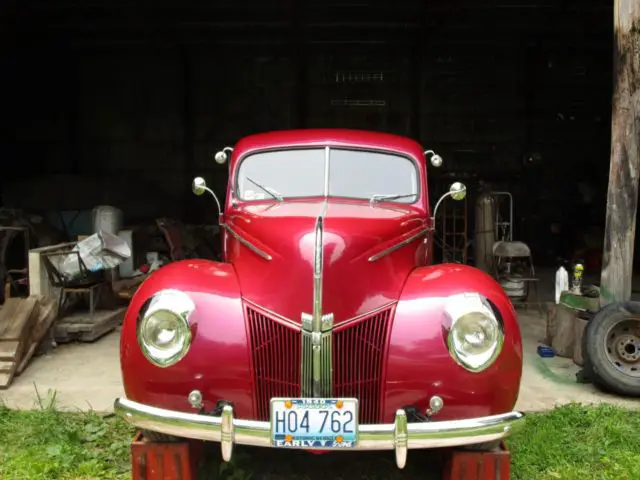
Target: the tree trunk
pixel 622 197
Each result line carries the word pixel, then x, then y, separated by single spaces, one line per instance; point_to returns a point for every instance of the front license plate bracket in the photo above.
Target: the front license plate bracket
pixel 314 423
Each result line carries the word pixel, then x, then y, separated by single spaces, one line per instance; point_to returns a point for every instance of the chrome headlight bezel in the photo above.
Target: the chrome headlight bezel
pixel 460 308
pixel 179 306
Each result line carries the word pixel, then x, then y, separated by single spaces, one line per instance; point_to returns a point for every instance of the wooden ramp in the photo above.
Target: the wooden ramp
pixel 23 324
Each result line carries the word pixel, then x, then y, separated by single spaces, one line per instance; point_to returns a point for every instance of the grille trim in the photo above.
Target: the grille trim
pixel 359 349
pixel 358 357
pixel 275 359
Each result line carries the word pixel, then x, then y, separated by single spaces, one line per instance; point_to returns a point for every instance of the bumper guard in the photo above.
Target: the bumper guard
pixel 399 436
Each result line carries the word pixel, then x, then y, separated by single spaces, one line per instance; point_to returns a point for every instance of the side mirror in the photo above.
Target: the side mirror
pixel 199 186
pixel 457 191
pixel 222 156
pixel 436 160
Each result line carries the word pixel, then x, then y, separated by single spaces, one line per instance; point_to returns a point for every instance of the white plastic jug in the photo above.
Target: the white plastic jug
pixel 562 282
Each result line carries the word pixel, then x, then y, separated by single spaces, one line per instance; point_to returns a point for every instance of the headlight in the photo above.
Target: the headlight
pixel 164 332
pixel 476 336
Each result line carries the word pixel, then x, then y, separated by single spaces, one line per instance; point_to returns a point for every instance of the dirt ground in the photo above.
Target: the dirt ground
pixel 87 376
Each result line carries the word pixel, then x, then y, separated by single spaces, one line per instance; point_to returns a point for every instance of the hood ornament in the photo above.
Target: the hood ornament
pixel 317 342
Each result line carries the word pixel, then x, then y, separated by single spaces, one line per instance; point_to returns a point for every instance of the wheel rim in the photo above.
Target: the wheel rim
pixel 622 344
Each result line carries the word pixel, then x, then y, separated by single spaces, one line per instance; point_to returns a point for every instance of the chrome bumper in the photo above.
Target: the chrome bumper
pixel 398 436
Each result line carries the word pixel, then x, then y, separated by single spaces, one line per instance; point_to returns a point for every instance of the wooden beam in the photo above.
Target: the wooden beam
pixel 622 197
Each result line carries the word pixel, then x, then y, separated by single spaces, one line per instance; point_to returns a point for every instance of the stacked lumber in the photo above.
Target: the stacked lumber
pixel 23 324
pixel 83 327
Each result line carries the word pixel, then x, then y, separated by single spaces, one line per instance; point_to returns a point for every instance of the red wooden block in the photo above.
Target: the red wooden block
pixel 162 461
pixel 465 465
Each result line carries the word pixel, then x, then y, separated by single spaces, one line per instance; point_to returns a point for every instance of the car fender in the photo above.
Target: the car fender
pixel 419 365
pixel 217 363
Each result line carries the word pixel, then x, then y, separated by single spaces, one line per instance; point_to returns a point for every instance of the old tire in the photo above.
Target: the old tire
pixel 612 345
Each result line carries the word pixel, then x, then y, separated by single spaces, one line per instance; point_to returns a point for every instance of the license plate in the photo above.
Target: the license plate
pixel 314 423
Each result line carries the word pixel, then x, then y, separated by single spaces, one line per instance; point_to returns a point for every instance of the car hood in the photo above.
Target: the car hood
pixel 272 247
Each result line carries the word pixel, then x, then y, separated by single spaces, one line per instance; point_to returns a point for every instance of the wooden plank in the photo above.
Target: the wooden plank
pixel 38 280
pixel 47 312
pixel 8 312
pixel 5 380
pixel 579 326
pixel 155 460
pixel 82 322
pixel 6 366
pixel 26 358
pixel 101 330
pixel 46 316
pixel 18 318
pixel 564 335
pixel 622 196
pixel 60 335
pixel 9 349
pixel 80 326
pixel 7 371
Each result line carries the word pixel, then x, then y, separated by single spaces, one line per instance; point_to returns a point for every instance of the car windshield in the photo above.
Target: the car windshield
pixel 296 173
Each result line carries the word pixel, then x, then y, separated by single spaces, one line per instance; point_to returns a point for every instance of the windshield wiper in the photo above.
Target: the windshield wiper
pixel 266 189
pixel 376 198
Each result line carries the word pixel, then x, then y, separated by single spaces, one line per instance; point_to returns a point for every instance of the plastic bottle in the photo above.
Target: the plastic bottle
pixel 562 282
pixel 576 281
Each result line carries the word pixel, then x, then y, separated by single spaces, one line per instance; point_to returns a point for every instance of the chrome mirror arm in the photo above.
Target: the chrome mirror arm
pixel 435 209
pixel 199 186
pixel 215 197
pixel 457 191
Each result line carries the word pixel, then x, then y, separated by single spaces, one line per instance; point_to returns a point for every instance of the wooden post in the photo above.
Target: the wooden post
pixel 622 197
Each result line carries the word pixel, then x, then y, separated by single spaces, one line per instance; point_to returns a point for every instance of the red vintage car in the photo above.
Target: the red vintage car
pixel 325 326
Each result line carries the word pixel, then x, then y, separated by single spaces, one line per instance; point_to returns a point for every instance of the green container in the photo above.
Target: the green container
pixel 580 302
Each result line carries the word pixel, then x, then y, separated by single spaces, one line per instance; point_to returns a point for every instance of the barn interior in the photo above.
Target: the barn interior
pixel 118 105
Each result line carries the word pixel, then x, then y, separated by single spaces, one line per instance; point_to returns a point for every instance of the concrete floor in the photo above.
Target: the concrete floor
pixel 87 376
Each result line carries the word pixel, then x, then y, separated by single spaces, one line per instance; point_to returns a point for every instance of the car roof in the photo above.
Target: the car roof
pixel 331 137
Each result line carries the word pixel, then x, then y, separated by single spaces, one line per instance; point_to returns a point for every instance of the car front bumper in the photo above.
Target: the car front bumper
pixel 399 436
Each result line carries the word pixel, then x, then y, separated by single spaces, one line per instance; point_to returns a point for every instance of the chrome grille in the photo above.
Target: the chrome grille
pixel 275 354
pixel 317 359
pixel 358 362
pixel 358 353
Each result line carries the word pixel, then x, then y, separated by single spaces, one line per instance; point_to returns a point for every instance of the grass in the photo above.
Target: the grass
pixel 570 442
pixel 575 442
pixel 49 444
